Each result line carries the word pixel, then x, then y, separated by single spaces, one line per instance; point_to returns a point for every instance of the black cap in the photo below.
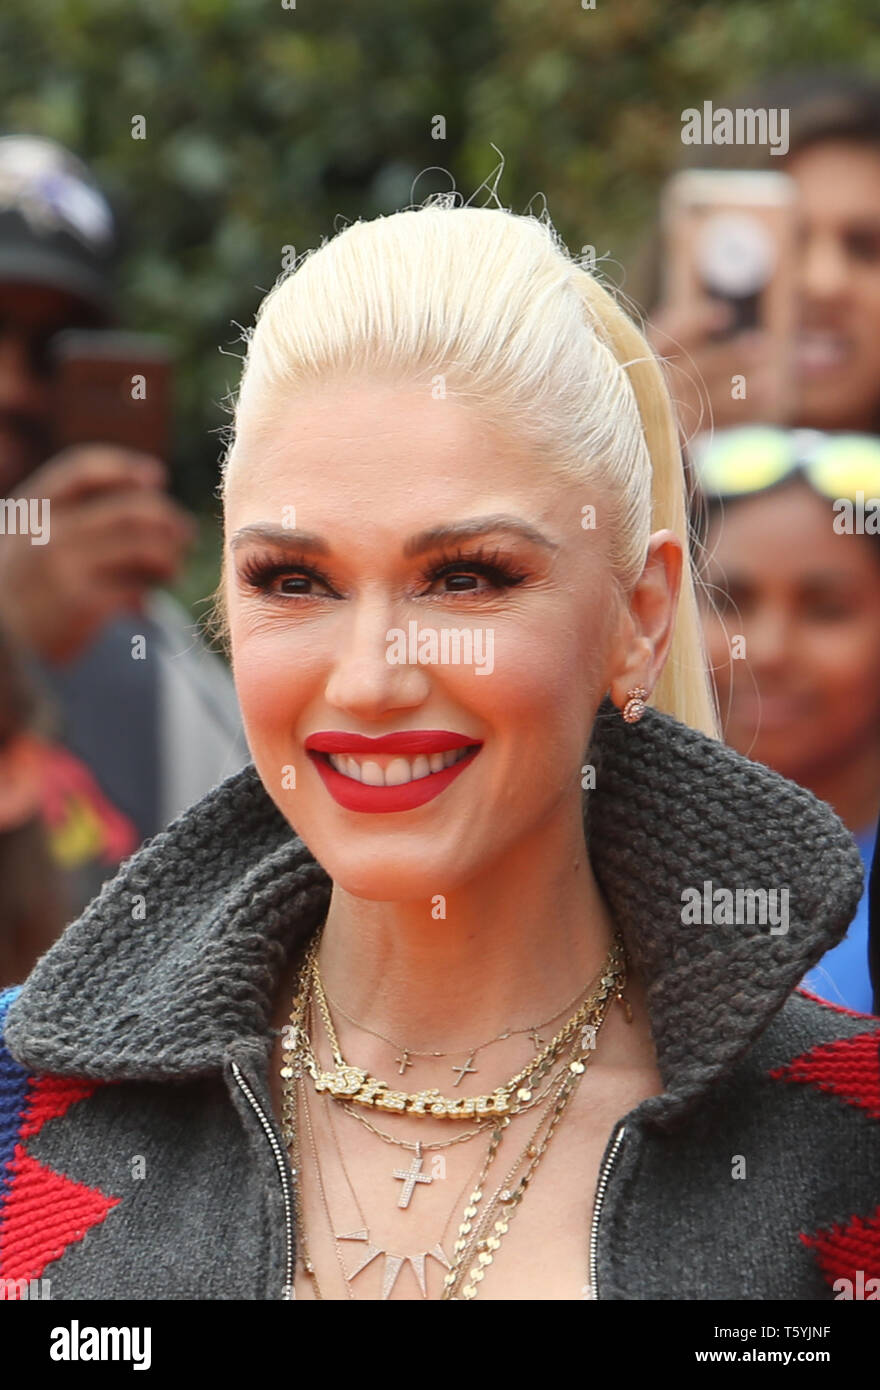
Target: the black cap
pixel 56 225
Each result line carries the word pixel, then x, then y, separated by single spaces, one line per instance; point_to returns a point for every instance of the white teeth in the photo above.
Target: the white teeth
pixel 399 770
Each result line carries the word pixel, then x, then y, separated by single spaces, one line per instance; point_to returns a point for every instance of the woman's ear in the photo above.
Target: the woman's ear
pixel 21 773
pixel 651 608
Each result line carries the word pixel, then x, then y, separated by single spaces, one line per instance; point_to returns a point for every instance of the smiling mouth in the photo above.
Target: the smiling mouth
pixel 394 770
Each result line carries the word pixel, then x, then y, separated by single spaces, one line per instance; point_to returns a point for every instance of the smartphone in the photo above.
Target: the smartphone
pixel 112 387
pixel 730 237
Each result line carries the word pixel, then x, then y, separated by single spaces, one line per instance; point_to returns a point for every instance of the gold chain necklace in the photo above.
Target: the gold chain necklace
pixel 470 1238
pixel 354 1084
pixel 394 1262
pixel 407 1052
pixel 521 1107
pixel 290 1132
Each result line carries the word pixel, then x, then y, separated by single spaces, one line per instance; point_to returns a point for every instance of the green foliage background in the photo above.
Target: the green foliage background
pixel 266 126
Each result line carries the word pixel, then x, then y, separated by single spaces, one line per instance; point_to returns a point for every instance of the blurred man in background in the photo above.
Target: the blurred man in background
pixel 136 740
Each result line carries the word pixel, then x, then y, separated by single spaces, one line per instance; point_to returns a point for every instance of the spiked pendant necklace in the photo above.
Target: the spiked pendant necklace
pixel 393 1262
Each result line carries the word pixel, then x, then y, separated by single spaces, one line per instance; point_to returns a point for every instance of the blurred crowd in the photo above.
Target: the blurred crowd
pixel 765 307
pixel 115 716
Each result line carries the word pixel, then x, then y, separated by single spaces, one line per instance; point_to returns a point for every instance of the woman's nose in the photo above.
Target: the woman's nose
pixel 366 679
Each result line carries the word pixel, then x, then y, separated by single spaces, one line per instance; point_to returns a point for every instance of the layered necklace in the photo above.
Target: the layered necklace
pixel 544 1087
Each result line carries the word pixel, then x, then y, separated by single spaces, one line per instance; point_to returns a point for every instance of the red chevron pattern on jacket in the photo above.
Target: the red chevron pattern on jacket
pixel 848 1068
pixel 850 1252
pixel 42 1212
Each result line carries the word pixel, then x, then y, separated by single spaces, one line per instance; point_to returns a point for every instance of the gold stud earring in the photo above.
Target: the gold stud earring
pixel 635 704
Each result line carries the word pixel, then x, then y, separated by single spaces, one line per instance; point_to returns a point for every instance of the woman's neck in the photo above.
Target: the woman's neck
pixel 502 951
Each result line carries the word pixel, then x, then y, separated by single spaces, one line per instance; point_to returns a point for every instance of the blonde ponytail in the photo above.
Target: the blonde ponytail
pixel 683 689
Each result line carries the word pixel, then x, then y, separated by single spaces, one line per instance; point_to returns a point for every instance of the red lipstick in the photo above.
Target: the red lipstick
pixel 416 741
pixel 356 796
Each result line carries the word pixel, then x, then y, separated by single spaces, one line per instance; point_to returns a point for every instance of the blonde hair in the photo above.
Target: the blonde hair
pixel 494 304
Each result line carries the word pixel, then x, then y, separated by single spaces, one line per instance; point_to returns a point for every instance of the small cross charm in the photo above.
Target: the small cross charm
pixel 536 1039
pixel 409 1178
pixel 462 1071
pixel 404 1062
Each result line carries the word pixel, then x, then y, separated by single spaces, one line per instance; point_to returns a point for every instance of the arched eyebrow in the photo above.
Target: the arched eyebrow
pixel 289 538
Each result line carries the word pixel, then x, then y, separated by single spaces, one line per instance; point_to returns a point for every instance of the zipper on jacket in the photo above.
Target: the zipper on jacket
pixel 600 1198
pixel 281 1164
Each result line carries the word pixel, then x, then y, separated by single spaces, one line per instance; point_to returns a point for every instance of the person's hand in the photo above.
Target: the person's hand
pixel 720 383
pixel 113 534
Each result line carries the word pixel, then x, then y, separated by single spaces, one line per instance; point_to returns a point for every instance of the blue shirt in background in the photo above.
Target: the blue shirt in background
pixel 842 975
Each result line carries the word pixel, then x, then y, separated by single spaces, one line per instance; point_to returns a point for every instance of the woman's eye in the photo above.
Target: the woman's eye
pixel 295 584
pixel 277 580
pixel 460 582
pixel 474 578
pixel 280 581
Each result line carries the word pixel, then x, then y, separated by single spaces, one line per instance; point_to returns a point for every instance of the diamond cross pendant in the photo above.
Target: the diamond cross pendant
pixel 409 1177
pixel 462 1071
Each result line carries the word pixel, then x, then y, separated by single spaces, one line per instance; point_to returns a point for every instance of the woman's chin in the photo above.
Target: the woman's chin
pixel 387 888
pixel 395 876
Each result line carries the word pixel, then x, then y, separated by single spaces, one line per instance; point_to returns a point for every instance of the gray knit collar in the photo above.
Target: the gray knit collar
pixel 181 953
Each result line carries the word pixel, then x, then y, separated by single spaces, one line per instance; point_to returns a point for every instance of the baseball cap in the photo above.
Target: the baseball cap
pixel 56 225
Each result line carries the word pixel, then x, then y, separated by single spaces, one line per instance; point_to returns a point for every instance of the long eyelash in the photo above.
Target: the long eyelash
pixel 490 565
pixel 260 572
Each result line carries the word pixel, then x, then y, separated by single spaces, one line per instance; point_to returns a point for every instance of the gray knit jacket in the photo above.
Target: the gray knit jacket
pixel 140 1156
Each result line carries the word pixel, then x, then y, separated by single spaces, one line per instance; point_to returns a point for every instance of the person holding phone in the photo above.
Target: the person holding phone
pixel 834 162
pixel 138 739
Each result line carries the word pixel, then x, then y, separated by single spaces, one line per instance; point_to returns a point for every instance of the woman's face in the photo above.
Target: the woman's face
pixel 838 345
pixel 804 692
pixel 377 480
